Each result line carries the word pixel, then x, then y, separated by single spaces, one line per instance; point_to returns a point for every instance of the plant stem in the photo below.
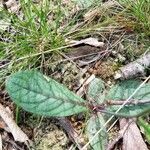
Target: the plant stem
pixel 124 115
pixel 132 102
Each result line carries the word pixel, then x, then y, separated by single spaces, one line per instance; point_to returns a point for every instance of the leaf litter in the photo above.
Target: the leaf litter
pixel 132 138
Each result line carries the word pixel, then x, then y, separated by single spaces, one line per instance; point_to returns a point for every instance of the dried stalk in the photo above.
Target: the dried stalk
pixel 73 135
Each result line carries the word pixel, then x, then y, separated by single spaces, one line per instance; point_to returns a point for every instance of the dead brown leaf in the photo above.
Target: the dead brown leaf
pixel 12 5
pixel 89 41
pixel 83 51
pixel 17 133
pixel 3 125
pixel 132 138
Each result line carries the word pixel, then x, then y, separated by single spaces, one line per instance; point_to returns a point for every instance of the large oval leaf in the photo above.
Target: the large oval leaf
pixel 41 95
pixel 123 91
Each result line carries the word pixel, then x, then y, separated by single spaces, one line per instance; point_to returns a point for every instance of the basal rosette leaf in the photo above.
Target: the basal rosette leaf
pixel 42 95
pixel 123 90
pixel 94 124
pixel 95 91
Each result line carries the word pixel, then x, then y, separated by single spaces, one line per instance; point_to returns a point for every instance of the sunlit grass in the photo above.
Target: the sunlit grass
pixel 36 30
pixel 40 31
pixel 138 11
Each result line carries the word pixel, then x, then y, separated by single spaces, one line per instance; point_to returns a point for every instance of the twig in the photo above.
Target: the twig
pixel 65 56
pixel 135 68
pixel 14 144
pixel 74 58
pixel 83 63
pixel 80 56
pixel 80 92
pixel 132 102
pixel 74 137
pixel 99 56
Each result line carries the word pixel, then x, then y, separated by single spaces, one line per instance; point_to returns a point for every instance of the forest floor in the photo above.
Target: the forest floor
pixel 72 42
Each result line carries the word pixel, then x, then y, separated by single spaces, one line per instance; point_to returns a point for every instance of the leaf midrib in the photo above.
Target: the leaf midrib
pixel 48 97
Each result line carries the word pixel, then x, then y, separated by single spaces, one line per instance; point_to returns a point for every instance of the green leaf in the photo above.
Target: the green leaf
pixel 41 95
pixel 123 91
pixel 145 128
pixel 95 123
pixel 95 89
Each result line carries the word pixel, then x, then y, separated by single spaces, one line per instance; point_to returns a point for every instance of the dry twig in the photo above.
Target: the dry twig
pixel 134 69
pixel 80 92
